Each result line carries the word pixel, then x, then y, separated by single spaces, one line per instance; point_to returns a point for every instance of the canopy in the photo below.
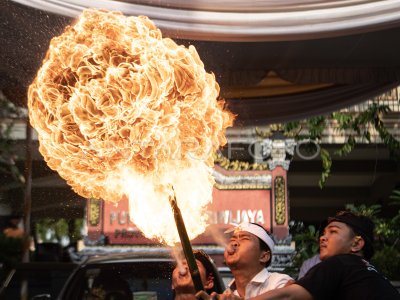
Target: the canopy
pixel 234 20
pixel 331 54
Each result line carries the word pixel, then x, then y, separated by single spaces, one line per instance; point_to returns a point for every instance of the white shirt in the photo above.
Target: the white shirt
pixel 261 283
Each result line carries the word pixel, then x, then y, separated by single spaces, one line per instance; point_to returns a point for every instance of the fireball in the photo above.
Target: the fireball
pixel 122 111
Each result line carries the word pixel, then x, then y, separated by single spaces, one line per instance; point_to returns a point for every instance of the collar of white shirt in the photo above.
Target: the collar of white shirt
pixel 259 278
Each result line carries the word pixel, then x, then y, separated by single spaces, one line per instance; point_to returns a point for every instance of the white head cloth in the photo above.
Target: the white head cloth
pixel 256 230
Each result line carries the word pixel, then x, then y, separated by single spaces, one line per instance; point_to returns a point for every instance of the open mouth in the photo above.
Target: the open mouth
pixel 183 272
pixel 231 251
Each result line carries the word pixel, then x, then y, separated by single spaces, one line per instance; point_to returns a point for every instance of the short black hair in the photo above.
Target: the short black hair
pixel 211 269
pixel 361 225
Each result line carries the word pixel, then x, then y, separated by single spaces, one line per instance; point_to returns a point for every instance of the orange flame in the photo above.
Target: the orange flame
pixel 119 110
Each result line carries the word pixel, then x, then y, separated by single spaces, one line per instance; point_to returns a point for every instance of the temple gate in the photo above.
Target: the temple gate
pixel 255 192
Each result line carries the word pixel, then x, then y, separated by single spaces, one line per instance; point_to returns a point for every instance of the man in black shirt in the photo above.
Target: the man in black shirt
pixel 345 248
pixel 344 273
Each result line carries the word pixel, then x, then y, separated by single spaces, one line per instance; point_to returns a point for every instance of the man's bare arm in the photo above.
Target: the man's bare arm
pixel 291 292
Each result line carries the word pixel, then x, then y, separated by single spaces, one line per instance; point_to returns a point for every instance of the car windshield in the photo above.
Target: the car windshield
pixel 123 281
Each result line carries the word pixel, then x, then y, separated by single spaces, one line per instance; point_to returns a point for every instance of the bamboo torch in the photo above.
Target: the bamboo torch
pixel 186 246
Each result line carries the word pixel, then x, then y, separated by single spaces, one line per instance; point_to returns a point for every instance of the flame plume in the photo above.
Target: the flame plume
pixel 122 111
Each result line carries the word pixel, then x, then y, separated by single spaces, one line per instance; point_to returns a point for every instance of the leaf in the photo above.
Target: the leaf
pixel 326 167
pixel 343 119
pixel 290 126
pixel 353 125
pixel 316 125
pixel 347 147
pixel 395 196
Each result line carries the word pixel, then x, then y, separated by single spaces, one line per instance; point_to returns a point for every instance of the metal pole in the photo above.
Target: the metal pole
pixel 28 192
pixel 186 246
pixel 27 205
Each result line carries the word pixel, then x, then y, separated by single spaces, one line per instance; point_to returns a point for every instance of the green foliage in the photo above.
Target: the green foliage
pixel 387 260
pixel 362 124
pixel 7 155
pixel 326 166
pixel 291 126
pixel 352 125
pixel 347 147
pixel 387 255
pixel 386 229
pixel 395 196
pixel 307 245
pixel 54 230
pixel 316 126
pixel 369 211
pixel 77 233
pixel 51 230
pixel 343 119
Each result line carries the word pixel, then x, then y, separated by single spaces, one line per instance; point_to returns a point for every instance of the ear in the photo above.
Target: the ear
pixel 265 256
pixel 210 282
pixel 357 244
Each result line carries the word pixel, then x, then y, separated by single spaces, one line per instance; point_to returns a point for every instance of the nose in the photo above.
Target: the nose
pixel 234 244
pixel 322 238
pixel 183 270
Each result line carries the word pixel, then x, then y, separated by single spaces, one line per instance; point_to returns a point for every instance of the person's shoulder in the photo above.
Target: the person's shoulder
pixel 279 276
pixel 278 280
pixel 343 258
pixel 312 260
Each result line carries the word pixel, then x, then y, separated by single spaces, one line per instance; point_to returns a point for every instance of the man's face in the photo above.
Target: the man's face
pixel 337 239
pixel 243 250
pixel 182 280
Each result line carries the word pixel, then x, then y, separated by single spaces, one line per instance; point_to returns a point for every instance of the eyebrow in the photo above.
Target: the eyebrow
pixel 241 233
pixel 333 226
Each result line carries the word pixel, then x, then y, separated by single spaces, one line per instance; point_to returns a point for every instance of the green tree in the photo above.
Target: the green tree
pixel 10 247
pixel 8 113
pixel 353 125
pixel 55 230
pixel 306 239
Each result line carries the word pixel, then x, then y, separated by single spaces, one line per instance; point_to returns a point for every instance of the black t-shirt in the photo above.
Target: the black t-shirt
pixel 347 277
